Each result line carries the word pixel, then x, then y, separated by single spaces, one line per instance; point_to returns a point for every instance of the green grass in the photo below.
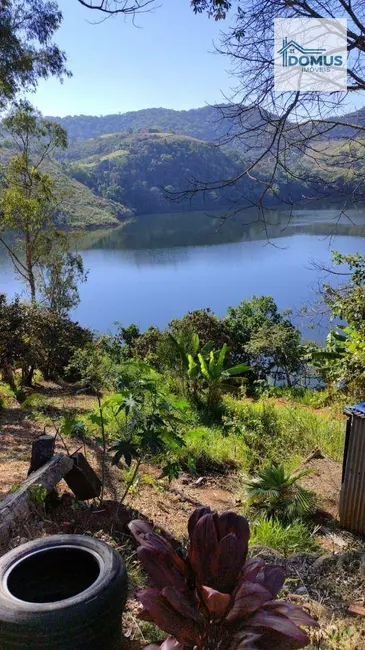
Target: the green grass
pixel 285 538
pixel 211 450
pixel 323 430
pixel 305 396
pixel 283 433
pixel 6 395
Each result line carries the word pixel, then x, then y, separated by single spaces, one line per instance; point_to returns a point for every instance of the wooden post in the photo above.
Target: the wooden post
pixel 42 452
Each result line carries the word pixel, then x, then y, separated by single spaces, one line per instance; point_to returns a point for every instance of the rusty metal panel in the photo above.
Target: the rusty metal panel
pixel 352 499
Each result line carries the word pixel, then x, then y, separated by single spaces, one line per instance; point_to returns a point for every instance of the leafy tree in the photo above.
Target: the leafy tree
pixel 244 321
pixel 263 337
pixel 216 8
pixel 29 197
pixel 60 272
pixel 279 495
pixel 27 50
pixel 202 322
pixel 277 350
pixel 128 335
pixel 342 361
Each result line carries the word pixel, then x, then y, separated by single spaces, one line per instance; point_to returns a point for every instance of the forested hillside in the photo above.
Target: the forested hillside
pixel 202 123
pixel 136 159
pixel 138 162
pixel 141 170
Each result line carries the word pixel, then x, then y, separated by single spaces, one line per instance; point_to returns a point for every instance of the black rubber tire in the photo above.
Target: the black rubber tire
pixel 90 620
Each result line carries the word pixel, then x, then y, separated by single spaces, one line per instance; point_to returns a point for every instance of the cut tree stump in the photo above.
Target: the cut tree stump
pixel 16 507
pixel 42 452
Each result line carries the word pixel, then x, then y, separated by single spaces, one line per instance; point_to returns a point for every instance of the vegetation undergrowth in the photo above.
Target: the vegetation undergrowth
pixel 275 433
pixel 6 395
pixel 294 537
pixel 211 450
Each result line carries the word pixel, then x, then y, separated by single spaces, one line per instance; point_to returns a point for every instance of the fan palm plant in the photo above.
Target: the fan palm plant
pixel 278 493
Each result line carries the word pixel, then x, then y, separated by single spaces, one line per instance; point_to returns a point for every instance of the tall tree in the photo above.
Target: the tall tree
pixel 29 195
pixel 60 272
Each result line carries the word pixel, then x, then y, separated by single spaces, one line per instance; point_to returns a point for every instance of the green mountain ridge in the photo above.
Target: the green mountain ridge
pixel 201 123
pixel 136 163
pixel 204 123
pixel 141 170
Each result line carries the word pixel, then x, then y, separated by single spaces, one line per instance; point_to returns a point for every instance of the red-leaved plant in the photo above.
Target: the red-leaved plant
pixel 214 598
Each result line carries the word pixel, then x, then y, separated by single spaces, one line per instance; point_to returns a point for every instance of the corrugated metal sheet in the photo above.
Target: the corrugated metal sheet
pixel 352 500
pixel 356 409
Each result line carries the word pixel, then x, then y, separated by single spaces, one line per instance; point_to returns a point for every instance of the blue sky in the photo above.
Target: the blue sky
pixel 167 60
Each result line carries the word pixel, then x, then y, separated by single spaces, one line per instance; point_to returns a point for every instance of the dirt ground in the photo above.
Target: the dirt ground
pixel 327 585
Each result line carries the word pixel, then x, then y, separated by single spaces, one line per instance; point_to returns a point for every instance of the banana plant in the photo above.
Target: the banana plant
pixel 213 372
pixel 187 351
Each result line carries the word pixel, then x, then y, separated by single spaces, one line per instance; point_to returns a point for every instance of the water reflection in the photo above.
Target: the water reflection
pixel 158 267
pixel 168 231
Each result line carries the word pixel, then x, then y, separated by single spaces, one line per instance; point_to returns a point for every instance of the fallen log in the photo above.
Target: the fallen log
pixel 17 506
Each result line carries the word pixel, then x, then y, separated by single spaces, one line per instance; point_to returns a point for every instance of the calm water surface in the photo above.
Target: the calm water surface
pixel 162 266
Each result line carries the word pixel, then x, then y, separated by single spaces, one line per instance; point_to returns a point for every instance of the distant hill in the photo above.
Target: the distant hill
pixel 201 123
pixel 82 209
pixel 206 124
pixel 136 169
pixel 124 164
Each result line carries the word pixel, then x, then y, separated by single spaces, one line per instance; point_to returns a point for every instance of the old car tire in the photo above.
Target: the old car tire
pixel 64 592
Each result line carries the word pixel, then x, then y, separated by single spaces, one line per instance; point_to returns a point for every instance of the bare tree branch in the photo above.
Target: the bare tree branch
pixel 125 7
pixel 283 136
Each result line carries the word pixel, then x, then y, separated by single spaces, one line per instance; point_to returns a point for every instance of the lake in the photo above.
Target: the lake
pixel 161 266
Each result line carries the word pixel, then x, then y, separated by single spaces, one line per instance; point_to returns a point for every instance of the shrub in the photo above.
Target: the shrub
pixel 212 597
pixel 54 339
pixel 33 338
pixel 285 538
pixel 146 346
pixel 278 494
pixel 6 395
pixel 204 323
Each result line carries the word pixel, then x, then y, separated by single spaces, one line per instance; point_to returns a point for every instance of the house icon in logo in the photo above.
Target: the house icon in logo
pixel 294 48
